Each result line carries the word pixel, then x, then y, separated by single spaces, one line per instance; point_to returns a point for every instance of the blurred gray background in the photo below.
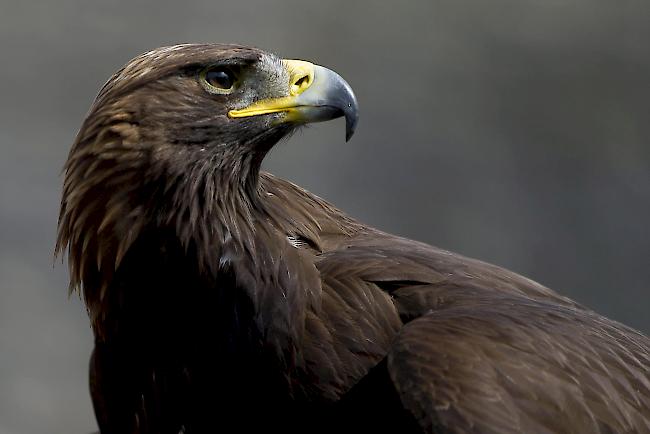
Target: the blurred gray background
pixel 512 131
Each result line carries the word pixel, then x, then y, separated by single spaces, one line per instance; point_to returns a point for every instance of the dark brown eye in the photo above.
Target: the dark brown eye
pixel 218 79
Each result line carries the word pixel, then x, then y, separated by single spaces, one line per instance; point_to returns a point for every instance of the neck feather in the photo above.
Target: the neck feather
pixel 115 193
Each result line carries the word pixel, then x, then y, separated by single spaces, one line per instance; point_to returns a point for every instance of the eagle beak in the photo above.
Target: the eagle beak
pixel 315 94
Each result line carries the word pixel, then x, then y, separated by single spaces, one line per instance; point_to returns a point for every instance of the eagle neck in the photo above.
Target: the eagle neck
pixel 215 209
pixel 219 213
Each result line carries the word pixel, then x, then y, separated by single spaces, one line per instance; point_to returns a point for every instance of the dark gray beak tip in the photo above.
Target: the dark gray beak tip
pixel 351 113
pixel 350 126
pixel 341 96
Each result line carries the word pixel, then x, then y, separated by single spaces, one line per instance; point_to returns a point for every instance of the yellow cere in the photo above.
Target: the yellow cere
pixel 301 75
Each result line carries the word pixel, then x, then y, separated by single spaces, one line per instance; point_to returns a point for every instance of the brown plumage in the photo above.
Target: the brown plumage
pixel 223 298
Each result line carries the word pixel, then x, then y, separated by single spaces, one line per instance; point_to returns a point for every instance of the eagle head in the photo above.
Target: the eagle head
pixel 233 101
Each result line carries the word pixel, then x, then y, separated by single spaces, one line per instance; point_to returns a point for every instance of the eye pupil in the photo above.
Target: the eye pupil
pixel 220 78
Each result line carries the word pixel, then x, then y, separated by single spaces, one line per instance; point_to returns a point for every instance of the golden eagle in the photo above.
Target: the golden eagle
pixel 224 299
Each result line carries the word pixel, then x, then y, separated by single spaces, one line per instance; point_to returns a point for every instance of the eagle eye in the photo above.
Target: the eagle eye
pixel 218 79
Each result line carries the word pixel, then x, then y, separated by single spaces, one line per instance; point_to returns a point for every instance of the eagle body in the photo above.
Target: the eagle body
pixel 223 298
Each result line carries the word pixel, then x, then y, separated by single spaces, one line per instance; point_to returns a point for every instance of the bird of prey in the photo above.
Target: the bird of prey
pixel 225 299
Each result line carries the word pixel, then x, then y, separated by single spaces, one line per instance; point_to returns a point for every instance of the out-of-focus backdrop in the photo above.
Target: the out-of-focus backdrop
pixel 512 131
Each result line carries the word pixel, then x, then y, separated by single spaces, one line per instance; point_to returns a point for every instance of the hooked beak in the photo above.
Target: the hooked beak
pixel 315 94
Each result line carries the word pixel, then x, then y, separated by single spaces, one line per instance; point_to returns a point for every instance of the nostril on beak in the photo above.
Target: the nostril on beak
pixel 300 83
pixel 301 80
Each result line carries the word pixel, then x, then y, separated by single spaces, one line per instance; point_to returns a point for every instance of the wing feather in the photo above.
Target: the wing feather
pixel 508 364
